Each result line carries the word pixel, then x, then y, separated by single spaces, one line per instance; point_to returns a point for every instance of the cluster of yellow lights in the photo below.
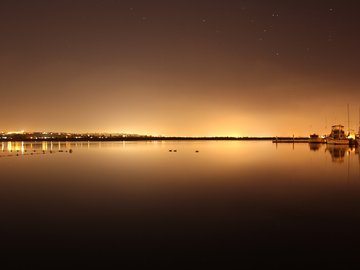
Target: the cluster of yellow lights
pixel 352 136
pixel 15 132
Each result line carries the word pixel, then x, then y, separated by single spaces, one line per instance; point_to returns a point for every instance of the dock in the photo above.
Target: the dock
pixel 291 141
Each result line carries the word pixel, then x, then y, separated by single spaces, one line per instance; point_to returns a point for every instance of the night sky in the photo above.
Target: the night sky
pixel 188 68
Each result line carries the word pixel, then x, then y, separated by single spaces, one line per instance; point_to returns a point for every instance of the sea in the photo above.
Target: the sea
pixel 179 203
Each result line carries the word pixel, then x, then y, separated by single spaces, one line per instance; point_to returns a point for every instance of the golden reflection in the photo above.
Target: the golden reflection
pixel 25 148
pixel 9 146
pixel 67 145
pixel 315 146
pixel 44 146
pixel 17 147
pixel 338 152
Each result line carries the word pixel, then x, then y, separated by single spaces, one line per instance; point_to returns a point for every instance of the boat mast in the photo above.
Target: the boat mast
pixel 326 127
pixel 348 113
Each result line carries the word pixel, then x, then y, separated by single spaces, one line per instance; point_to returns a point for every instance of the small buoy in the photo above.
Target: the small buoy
pixel 32 153
pixel 70 151
pixel 170 150
pixel 197 151
pixel 51 151
pixel 175 150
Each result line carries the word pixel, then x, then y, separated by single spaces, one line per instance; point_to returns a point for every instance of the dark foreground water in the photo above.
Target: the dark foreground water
pixel 136 203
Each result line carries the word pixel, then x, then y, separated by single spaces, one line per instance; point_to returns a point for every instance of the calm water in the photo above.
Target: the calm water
pixel 248 201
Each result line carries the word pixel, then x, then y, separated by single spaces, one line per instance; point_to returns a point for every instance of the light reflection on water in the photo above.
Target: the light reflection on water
pixel 220 158
pixel 217 158
pixel 24 147
pixel 138 194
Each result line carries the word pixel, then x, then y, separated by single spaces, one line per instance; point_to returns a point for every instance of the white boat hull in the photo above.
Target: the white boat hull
pixel 338 141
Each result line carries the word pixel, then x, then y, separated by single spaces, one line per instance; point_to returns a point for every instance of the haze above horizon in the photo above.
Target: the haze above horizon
pixel 206 68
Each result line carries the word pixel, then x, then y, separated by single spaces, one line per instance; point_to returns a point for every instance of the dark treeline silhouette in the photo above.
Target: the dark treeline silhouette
pixel 123 137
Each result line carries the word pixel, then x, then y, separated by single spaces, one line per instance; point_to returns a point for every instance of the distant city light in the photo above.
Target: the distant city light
pixel 15 132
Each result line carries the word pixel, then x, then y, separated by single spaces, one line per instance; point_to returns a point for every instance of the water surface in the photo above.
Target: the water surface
pixel 231 199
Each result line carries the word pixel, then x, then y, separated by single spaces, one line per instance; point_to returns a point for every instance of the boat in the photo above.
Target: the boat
pixel 338 136
pixel 357 139
pixel 315 138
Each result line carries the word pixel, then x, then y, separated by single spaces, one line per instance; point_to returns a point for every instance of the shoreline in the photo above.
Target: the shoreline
pixel 282 139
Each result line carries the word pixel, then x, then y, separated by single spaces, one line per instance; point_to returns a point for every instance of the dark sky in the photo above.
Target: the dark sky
pixel 197 68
